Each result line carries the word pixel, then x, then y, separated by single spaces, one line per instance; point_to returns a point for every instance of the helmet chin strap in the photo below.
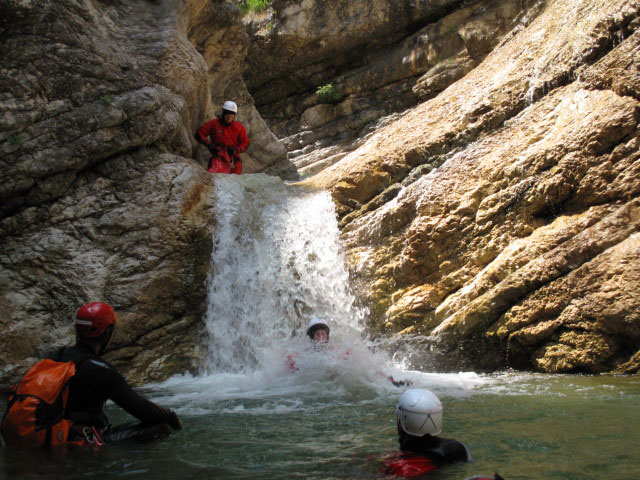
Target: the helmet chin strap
pixel 105 338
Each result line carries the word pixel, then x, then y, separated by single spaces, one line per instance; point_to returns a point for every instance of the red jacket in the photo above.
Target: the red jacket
pixel 232 135
pixel 407 464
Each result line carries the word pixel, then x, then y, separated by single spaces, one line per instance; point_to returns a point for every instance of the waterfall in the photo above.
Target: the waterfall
pixel 276 263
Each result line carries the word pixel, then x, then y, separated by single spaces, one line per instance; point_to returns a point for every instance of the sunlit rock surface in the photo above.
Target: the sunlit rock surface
pixel 503 215
pixel 380 57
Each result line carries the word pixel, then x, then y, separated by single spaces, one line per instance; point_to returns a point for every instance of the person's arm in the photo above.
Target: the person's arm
pixel 202 134
pixel 394 382
pixel 291 363
pixel 113 385
pixel 242 140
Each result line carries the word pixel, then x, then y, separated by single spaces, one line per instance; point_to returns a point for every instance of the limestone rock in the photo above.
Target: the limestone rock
pixel 217 32
pixel 381 57
pixel 99 198
pixel 514 238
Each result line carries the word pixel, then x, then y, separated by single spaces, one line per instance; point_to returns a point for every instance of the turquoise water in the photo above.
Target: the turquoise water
pixel 340 424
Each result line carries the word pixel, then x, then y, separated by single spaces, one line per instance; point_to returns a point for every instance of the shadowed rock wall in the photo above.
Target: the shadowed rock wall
pixel 100 200
pixel 217 31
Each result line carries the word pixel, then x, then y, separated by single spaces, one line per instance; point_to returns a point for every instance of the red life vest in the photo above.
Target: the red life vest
pixel 407 464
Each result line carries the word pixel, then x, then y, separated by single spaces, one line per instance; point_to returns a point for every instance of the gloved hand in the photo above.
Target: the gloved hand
pixel 233 150
pixel 175 420
pixel 213 148
pixel 172 417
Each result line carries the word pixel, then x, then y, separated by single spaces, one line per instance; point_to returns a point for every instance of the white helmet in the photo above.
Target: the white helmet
pixel 230 106
pixel 419 412
pixel 315 324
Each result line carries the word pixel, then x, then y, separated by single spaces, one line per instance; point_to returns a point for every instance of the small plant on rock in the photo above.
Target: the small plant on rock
pixel 15 140
pixel 328 94
pixel 106 99
pixel 254 5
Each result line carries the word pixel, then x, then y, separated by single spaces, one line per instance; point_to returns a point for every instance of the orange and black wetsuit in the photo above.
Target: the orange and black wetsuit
pixel 95 382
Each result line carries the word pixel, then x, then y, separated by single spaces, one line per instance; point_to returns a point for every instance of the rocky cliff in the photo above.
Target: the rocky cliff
pixel 502 216
pixel 104 194
pixel 378 58
pixel 482 156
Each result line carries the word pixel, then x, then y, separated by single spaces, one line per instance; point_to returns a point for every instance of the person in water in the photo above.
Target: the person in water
pixel 419 421
pixel 318 332
pixel 97 381
pixel 226 139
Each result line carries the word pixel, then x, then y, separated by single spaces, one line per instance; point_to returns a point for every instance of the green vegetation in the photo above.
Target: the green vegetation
pixel 328 94
pixel 254 5
pixel 15 140
pixel 106 99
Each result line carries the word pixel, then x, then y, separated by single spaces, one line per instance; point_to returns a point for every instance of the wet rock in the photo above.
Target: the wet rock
pixel 101 198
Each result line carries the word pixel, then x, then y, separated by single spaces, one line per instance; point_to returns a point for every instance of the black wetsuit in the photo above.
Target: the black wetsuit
pixel 440 450
pixel 95 382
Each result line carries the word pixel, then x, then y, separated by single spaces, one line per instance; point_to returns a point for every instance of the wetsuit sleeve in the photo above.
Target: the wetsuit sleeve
pixel 202 135
pixel 112 385
pixel 242 140
pixel 455 451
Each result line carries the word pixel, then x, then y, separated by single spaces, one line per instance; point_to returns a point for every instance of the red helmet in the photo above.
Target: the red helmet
pixel 93 319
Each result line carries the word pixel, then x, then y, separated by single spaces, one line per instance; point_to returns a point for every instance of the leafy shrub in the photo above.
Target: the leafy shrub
pixel 254 5
pixel 328 94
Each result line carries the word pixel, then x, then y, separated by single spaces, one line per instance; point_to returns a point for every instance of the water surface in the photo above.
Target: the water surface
pixel 276 263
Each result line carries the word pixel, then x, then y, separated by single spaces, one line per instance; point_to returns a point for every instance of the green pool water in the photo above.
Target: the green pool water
pixel 276 263
pixel 339 425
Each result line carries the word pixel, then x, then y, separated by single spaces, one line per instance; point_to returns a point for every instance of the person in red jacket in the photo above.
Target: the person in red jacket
pixel 226 139
pixel 419 414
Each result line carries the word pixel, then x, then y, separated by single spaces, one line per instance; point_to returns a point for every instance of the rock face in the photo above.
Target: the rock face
pixel 483 157
pixel 101 199
pixel 503 215
pixel 98 199
pixel 218 34
pixel 379 58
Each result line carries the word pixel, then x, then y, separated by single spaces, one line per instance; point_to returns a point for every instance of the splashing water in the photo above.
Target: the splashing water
pixel 276 263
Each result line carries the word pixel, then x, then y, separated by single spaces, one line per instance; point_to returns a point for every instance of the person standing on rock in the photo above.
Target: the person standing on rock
pixel 96 381
pixel 226 139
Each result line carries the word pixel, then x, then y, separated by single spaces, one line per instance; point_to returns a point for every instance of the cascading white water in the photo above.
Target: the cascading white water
pixel 276 263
